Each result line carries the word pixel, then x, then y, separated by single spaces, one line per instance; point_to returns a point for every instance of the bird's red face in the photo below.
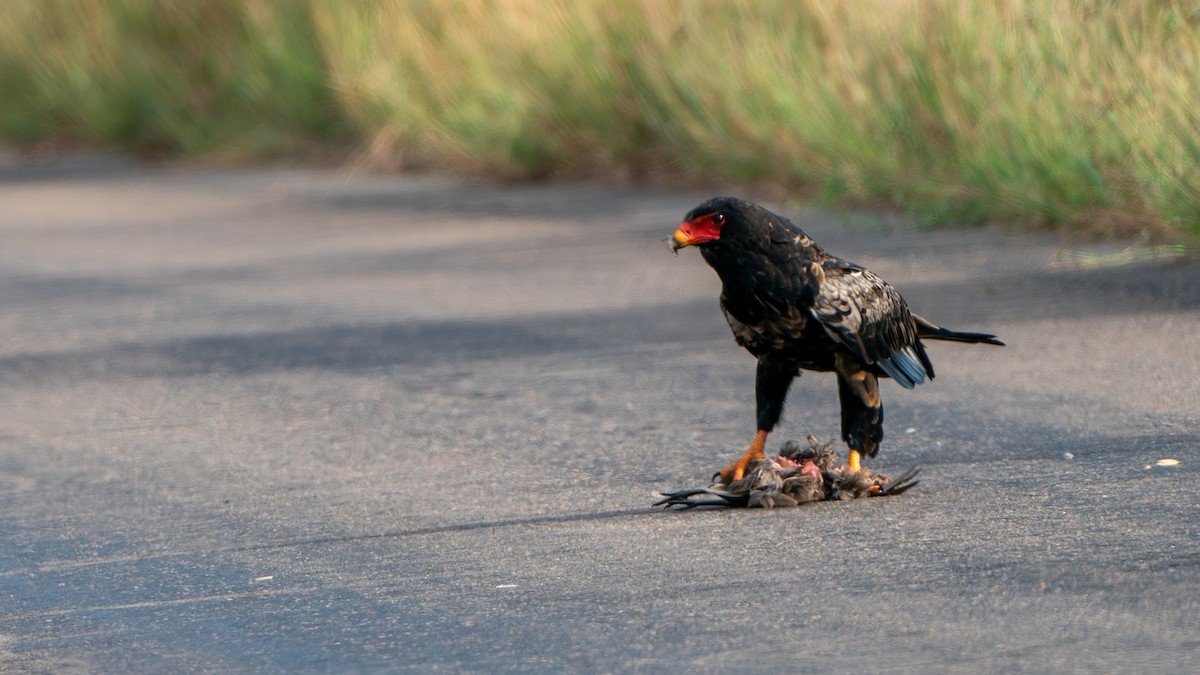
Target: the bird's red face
pixel 702 228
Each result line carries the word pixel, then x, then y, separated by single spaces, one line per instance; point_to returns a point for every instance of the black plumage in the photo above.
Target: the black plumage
pixel 795 307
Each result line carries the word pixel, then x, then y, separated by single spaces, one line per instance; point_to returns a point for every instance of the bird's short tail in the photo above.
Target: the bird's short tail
pixel 929 331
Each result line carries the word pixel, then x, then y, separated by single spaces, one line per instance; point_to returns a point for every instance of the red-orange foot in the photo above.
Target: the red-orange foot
pixel 738 469
pixel 854 462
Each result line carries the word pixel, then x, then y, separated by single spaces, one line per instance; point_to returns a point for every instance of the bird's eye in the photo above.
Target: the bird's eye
pixel 718 218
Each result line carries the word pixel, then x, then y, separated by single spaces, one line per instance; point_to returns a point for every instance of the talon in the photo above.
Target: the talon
pixel 737 470
pixel 734 471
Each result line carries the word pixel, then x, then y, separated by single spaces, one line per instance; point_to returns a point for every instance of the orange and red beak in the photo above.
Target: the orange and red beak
pixel 695 231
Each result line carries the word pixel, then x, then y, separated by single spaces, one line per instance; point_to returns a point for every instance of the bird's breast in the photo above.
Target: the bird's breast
pixel 794 336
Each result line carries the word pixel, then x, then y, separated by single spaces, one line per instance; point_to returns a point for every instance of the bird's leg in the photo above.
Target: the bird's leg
pixel 862 410
pixel 771 383
pixel 854 462
pixel 753 453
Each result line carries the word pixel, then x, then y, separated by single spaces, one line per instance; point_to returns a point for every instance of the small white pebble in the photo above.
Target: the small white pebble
pixel 507 586
pixel 266 578
pixel 1167 462
pixel 910 430
pixel 1068 455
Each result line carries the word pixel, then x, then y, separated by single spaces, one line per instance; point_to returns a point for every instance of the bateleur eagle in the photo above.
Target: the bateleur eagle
pixel 795 307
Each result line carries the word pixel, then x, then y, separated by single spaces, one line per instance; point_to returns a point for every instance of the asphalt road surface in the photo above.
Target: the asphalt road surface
pixel 295 420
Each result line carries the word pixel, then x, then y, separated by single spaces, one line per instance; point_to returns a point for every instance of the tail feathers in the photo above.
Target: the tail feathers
pixel 927 330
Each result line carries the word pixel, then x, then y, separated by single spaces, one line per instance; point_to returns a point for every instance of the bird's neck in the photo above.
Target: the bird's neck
pixel 733 261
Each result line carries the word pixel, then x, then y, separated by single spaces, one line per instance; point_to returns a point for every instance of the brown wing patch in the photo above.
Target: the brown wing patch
pixel 868 316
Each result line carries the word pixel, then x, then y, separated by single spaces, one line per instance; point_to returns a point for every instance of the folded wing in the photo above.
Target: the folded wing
pixel 868 316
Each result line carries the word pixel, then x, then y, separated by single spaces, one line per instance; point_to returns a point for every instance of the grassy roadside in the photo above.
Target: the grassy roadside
pixel 167 78
pixel 1074 113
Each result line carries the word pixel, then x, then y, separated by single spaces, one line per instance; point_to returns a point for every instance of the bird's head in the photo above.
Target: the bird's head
pixel 720 219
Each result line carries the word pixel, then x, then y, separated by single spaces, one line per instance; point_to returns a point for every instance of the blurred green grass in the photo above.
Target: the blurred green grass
pixel 1072 113
pixel 175 78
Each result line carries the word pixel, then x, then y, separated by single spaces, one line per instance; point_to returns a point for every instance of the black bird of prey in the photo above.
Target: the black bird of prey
pixel 795 307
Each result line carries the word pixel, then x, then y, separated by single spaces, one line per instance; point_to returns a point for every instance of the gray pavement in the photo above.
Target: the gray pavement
pixel 292 420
